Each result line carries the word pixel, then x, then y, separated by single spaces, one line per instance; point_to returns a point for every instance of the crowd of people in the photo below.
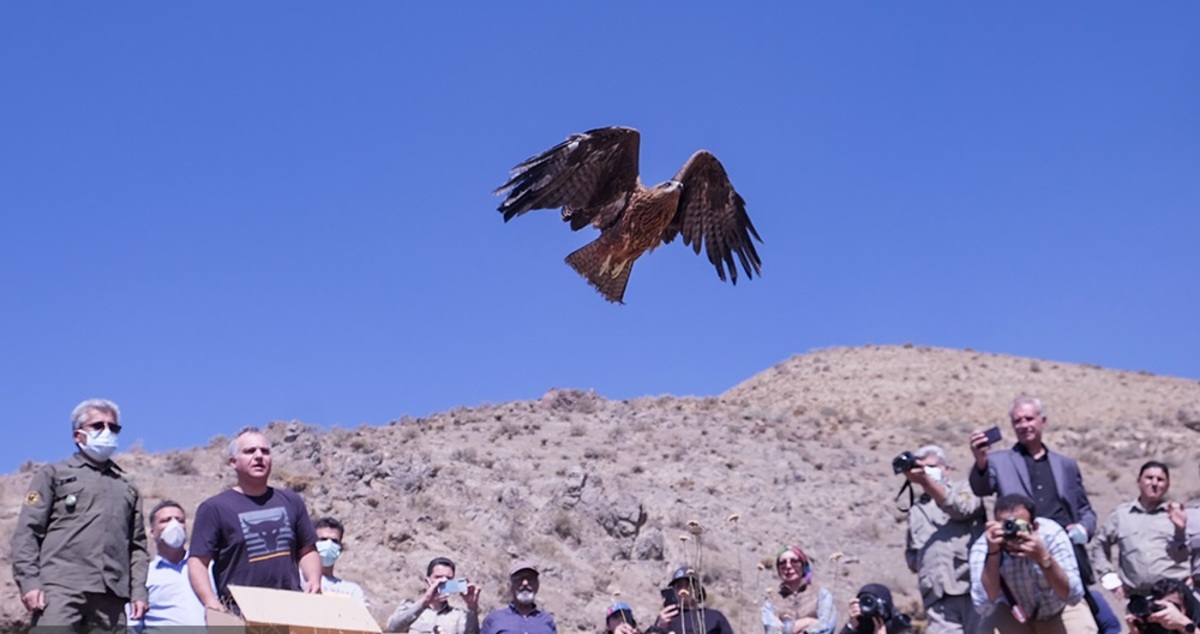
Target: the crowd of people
pixel 81 558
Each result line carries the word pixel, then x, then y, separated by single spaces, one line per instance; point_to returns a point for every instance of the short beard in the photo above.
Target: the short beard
pixel 526 597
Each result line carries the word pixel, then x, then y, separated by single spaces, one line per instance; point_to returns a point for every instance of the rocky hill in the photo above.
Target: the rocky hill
pixel 609 496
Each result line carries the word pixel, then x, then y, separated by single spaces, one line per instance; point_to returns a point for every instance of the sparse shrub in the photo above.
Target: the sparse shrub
pixel 297 483
pixel 464 454
pixel 564 526
pixel 578 429
pixel 179 463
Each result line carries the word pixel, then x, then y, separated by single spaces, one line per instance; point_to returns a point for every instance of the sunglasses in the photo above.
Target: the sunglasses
pixel 789 563
pixel 100 425
pixel 1023 419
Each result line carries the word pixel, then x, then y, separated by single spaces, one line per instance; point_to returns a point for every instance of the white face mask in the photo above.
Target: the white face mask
pixel 329 551
pixel 174 534
pixel 934 473
pixel 100 444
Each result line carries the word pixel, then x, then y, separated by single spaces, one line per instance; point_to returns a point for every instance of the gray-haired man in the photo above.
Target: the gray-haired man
pixel 941 527
pixel 79 548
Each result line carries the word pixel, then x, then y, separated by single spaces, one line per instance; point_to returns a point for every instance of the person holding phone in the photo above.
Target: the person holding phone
pixel 433 612
pixel 1049 478
pixel 683 610
pixel 800 607
pixel 618 619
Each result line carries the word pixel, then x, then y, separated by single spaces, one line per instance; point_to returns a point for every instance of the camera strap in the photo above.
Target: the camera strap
pixel 912 498
pixel 1018 612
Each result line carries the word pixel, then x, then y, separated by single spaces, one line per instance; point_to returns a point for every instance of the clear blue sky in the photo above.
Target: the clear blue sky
pixel 222 214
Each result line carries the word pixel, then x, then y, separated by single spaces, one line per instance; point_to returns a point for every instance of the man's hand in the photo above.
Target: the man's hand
pixel 854 611
pixel 668 613
pixel 917 475
pixel 624 628
pixel 471 598
pixel 1178 515
pixel 1169 616
pixel 980 448
pixel 312 586
pixel 216 605
pixel 34 600
pixel 137 610
pixel 994 532
pixel 1029 546
pixel 431 593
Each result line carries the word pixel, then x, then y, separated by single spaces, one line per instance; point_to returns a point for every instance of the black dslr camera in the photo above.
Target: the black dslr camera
pixel 904 462
pixel 1141 606
pixel 1012 528
pixel 871 606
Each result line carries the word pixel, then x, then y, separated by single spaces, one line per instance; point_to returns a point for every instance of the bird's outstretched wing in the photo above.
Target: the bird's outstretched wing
pixel 710 211
pixel 590 175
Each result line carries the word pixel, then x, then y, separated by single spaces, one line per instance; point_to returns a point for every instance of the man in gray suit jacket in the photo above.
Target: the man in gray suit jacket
pixel 1050 479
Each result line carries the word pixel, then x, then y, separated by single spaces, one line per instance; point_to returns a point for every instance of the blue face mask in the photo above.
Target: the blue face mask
pixel 100 445
pixel 329 551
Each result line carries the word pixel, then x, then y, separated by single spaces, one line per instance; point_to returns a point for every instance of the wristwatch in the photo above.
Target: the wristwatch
pixel 1190 627
pixel 1045 563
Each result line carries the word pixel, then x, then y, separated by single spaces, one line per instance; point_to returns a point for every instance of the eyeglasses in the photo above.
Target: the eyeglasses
pixel 100 425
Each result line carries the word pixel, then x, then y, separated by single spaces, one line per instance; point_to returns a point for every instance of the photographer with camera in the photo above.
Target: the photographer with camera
pixel 872 612
pixel 1168 608
pixel 1024 577
pixel 941 526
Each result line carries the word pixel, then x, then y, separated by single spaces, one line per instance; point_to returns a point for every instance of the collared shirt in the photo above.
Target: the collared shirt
pixel 172 600
pixel 939 539
pixel 337 585
pixel 415 617
pixel 1043 487
pixel 1149 547
pixel 1024 577
pixel 1193 540
pixel 509 621
pixel 81 528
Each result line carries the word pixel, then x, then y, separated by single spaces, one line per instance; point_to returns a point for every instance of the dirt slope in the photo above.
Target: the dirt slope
pixel 606 495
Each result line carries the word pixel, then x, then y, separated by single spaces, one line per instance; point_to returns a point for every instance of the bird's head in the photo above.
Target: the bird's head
pixel 670 186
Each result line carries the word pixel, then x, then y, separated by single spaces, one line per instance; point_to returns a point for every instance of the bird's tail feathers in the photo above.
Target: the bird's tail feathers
pixel 595 263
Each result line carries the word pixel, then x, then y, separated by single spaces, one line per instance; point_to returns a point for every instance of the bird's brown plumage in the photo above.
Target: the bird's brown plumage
pixel 593 177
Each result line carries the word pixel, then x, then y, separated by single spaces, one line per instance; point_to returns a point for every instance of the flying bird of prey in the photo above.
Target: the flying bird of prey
pixel 594 177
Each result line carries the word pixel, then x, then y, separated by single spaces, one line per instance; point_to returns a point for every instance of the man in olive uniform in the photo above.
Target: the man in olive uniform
pixel 79 548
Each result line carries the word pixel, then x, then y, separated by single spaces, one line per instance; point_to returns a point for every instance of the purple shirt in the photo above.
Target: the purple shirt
pixel 509 621
pixel 253 541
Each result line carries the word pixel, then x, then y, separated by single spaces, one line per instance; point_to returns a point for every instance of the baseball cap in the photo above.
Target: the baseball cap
pixel 522 565
pixel 683 572
pixel 619 607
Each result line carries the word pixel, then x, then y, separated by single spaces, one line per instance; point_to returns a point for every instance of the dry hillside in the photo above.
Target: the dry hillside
pixel 601 492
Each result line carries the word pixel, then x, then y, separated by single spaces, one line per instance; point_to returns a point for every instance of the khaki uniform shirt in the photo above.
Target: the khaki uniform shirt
pixel 939 541
pixel 413 617
pixel 1150 548
pixel 81 528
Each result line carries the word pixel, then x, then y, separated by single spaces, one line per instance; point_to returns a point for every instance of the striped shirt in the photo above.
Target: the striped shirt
pixel 1024 577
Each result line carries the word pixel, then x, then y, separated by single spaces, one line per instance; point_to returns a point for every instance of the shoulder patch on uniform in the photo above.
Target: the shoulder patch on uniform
pixel 33 497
